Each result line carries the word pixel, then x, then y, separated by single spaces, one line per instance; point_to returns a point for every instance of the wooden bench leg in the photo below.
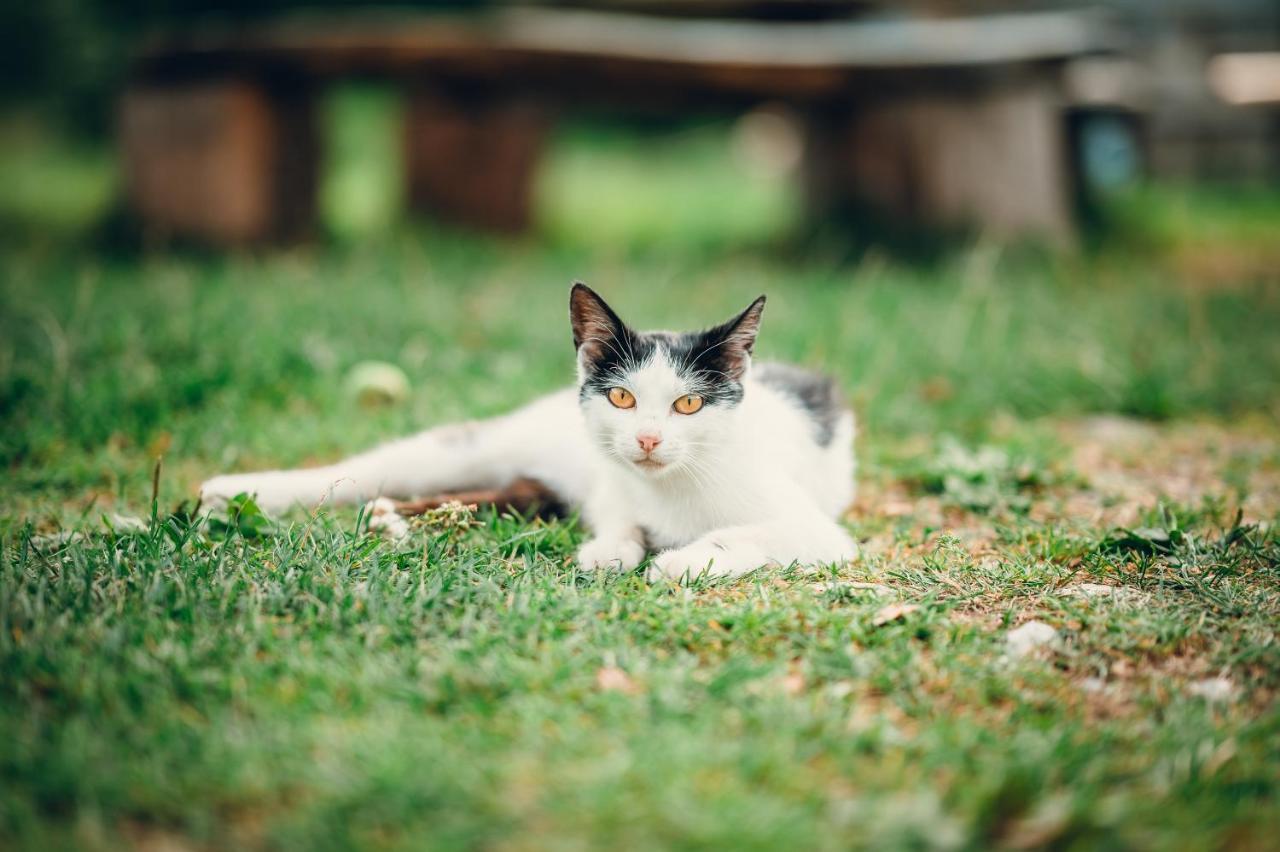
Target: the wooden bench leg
pixel 220 162
pixel 473 163
pixel 995 160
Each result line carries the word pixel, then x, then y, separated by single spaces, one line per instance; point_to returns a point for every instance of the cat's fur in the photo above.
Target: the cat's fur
pixel 756 477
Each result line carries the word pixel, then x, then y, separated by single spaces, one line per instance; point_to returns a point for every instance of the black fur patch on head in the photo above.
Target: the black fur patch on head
pixel 724 351
pixel 606 347
pixel 713 361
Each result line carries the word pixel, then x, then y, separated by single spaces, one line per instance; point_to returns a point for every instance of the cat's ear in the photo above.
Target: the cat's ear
pixel 730 345
pixel 596 328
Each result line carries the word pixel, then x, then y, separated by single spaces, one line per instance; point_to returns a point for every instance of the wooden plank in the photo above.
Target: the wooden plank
pixel 849 45
pixel 933 95
pixel 519 46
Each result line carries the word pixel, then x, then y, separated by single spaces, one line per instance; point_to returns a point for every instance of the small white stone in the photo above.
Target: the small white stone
pixel 1030 637
pixel 1098 590
pixel 1213 689
pixel 54 541
pixel 126 523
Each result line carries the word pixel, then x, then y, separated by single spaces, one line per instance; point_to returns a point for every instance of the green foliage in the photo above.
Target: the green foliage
pixel 244 682
pixel 983 479
pixel 243 517
pixel 691 191
pixel 316 687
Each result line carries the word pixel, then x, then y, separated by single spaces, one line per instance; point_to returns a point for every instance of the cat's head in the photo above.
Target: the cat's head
pixel 657 402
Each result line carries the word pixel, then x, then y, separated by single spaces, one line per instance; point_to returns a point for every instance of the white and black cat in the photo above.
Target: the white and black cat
pixel 671 443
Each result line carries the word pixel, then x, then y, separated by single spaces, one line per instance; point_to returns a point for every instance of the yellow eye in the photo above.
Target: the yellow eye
pixel 688 404
pixel 622 398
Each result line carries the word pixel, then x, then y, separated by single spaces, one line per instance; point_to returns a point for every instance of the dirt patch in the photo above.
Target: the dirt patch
pixel 1117 468
pixel 1128 466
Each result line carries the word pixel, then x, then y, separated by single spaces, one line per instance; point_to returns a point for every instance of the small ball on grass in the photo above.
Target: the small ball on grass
pixel 375 383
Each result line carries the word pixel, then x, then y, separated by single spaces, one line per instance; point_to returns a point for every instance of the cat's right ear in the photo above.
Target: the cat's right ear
pixel 597 330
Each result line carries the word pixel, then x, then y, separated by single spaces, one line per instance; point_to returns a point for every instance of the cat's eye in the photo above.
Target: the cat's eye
pixel 622 398
pixel 688 404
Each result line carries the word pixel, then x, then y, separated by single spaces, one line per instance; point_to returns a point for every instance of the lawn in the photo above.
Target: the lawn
pixel 1087 441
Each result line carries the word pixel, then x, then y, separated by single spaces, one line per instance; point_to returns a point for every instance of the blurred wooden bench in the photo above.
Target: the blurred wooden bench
pixel 939 121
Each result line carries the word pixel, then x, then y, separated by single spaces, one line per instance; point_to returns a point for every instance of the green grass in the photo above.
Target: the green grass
pixel 51 186
pixel 1028 424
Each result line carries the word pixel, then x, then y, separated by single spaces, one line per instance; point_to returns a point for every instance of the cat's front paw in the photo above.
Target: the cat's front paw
pixel 384 519
pixel 687 563
pixel 274 492
pixel 614 554
pixel 216 493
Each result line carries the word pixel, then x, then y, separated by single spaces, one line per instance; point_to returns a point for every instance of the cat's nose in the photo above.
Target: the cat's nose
pixel 648 441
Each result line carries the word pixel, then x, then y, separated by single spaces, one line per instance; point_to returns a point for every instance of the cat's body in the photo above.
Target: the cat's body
pixel 754 475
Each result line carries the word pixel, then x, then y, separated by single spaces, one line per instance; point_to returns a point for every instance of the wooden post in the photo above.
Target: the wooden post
pixel 994 159
pixel 220 162
pixel 473 163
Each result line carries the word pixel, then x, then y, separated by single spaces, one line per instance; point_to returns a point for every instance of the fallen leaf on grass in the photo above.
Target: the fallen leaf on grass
pixel 897 509
pixel 1145 540
pixel 878 588
pixel 893 612
pixel 1037 829
pixel 1090 590
pixel 614 679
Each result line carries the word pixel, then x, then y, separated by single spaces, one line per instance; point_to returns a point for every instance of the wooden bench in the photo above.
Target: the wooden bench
pixel 940 122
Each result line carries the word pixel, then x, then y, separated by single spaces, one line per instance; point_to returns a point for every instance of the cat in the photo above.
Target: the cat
pixel 674 444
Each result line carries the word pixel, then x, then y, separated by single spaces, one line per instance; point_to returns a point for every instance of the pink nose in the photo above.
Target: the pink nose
pixel 648 442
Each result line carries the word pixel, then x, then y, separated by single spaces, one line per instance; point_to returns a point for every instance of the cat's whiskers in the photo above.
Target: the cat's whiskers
pixel 704 474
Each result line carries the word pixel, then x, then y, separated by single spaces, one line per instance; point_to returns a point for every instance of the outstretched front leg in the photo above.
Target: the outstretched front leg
pixel 542 441
pixel 734 551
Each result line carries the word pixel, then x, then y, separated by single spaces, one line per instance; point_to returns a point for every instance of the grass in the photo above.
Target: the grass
pixel 1031 425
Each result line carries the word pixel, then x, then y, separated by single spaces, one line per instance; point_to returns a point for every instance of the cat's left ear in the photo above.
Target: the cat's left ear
pixel 597 330
pixel 731 344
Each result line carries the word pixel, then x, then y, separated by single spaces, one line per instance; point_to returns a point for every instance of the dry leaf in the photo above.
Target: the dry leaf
pixel 893 612
pixel 614 679
pixel 878 588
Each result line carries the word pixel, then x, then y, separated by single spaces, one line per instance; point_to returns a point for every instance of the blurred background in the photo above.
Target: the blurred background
pixel 1038 245
pixel 753 122
pixel 974 213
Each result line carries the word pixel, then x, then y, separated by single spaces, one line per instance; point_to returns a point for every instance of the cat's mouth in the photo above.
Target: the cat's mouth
pixel 648 463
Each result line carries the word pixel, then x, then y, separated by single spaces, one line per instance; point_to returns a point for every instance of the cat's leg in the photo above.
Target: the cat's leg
pixel 808 540
pixel 618 548
pixel 544 440
pixel 617 542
